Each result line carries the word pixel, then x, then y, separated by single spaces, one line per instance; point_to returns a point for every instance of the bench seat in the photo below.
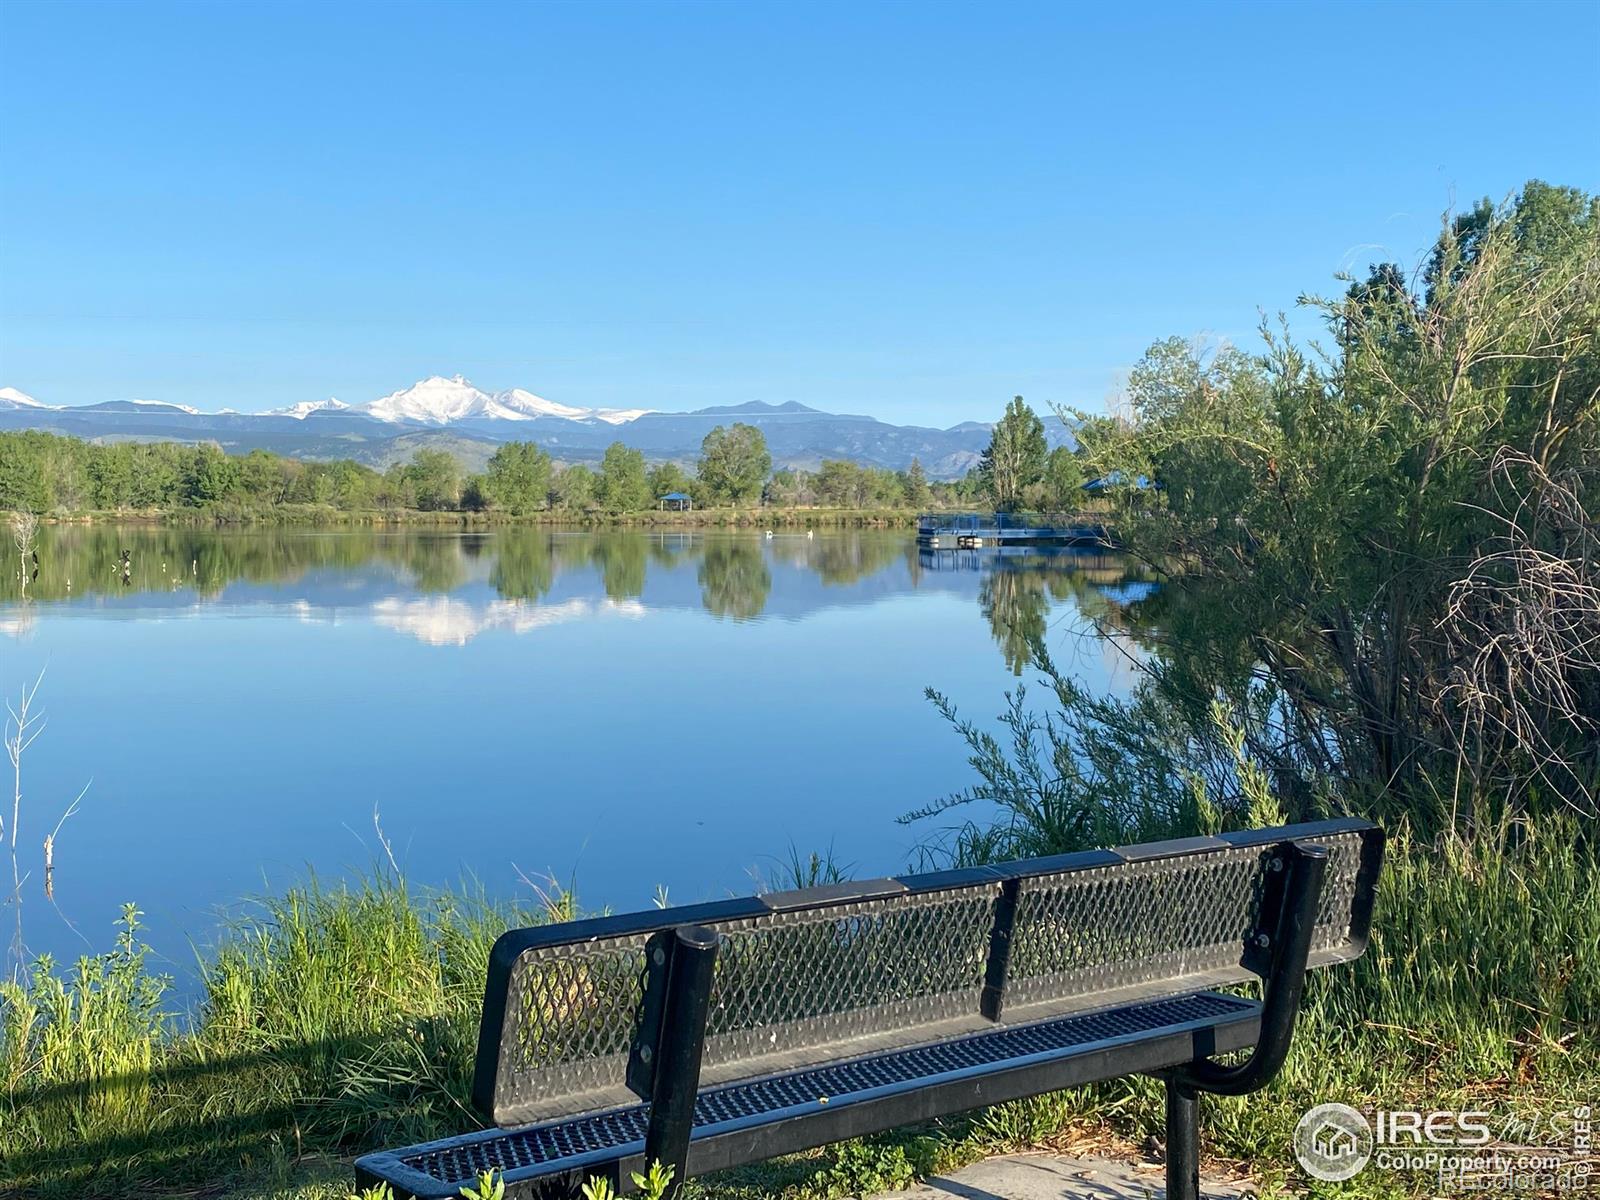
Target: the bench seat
pixel 797 1110
pixel 719 1034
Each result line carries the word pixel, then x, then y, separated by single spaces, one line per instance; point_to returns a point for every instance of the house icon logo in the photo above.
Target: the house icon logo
pixel 1333 1142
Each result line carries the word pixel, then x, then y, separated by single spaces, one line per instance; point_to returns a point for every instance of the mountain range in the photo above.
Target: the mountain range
pixel 452 414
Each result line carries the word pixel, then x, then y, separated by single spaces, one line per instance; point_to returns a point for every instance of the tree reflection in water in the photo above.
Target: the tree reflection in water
pixel 734 579
pixel 1016 593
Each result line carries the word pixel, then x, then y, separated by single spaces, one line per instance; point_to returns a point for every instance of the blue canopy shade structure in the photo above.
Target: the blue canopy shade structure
pixel 677 500
pixel 1114 480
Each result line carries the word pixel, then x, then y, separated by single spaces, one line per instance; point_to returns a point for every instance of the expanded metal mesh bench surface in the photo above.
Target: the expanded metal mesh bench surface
pixel 835 1011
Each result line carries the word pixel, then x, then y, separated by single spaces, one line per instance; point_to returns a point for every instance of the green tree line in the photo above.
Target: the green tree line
pixel 44 473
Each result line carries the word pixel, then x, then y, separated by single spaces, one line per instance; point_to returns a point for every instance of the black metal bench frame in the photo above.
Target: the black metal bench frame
pixel 1168 1029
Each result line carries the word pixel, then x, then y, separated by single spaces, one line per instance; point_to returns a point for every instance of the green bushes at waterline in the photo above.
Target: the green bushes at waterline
pixel 334 1020
pixel 330 1019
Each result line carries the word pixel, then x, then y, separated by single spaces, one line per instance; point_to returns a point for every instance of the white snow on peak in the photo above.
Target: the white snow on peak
pixel 435 401
pixel 439 401
pixel 621 416
pixel 527 406
pixel 193 412
pixel 12 398
pixel 305 408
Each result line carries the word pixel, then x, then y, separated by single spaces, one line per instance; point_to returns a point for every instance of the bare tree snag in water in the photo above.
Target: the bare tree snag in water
pixel 25 534
pixel 23 726
pixel 22 731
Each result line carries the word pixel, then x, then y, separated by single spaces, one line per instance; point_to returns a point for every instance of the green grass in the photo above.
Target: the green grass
pixel 332 1019
pixel 336 1020
pixel 1479 990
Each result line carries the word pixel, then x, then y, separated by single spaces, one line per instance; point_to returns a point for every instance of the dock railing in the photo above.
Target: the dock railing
pixel 975 522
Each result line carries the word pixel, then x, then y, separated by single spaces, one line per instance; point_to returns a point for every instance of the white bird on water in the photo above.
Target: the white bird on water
pixel 769 535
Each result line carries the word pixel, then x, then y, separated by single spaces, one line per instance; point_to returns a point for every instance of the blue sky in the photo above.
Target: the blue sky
pixel 910 210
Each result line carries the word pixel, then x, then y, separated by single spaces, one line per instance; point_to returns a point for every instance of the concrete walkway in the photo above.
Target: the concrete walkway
pixel 1047 1177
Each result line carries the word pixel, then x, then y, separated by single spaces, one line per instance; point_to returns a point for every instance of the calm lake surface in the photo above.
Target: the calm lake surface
pixel 621 711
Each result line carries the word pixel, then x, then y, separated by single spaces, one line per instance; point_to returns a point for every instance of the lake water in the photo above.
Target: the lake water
pixel 623 711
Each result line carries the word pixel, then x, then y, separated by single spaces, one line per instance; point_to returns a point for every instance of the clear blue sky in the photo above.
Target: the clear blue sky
pixel 911 210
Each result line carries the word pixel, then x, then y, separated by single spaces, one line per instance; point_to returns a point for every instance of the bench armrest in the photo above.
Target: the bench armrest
pixel 1287 943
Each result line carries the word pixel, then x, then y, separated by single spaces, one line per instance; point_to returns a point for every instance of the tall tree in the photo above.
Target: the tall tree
pixel 1015 458
pixel 666 478
pixel 1063 480
pixel 574 488
pixel 111 477
pixel 1389 560
pixel 475 494
pixel 622 486
pixel 840 482
pixel 734 463
pixel 211 475
pixel 435 479
pixel 264 477
pixel 790 488
pixel 916 485
pixel 518 478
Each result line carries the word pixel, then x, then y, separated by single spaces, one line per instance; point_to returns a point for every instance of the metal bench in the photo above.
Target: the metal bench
pixel 721 1034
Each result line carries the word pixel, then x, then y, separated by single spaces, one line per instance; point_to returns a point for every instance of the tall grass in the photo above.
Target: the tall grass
pixel 1480 989
pixel 335 1019
pixel 92 1035
pixel 331 1019
pixel 1482 982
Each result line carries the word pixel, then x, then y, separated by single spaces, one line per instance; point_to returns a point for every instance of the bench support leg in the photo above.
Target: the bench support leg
pixel 683 1040
pixel 1183 1142
pixel 1302 866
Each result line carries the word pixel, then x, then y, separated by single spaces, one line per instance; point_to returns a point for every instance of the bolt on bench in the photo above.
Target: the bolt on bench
pixel 715 1035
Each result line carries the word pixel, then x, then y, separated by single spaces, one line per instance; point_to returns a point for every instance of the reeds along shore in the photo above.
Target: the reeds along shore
pixel 333 1019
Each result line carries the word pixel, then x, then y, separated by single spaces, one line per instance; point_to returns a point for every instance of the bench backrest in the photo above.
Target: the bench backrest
pixel 814 976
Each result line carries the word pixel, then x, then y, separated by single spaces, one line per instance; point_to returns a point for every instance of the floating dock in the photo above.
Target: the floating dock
pixel 982 531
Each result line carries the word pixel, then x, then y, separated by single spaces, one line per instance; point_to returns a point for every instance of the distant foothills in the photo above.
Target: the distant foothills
pixel 452 415
pixel 732 475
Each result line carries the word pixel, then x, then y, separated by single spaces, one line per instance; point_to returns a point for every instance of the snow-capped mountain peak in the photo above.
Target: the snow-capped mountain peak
pixel 620 416
pixel 432 401
pixel 12 398
pixel 166 404
pixel 436 400
pixel 440 401
pixel 527 405
pixel 305 408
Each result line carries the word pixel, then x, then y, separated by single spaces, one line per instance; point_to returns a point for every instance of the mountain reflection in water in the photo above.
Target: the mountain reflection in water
pixel 446 588
pixel 620 709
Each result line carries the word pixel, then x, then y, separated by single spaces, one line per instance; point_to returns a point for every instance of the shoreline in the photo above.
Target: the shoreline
pixel 318 516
